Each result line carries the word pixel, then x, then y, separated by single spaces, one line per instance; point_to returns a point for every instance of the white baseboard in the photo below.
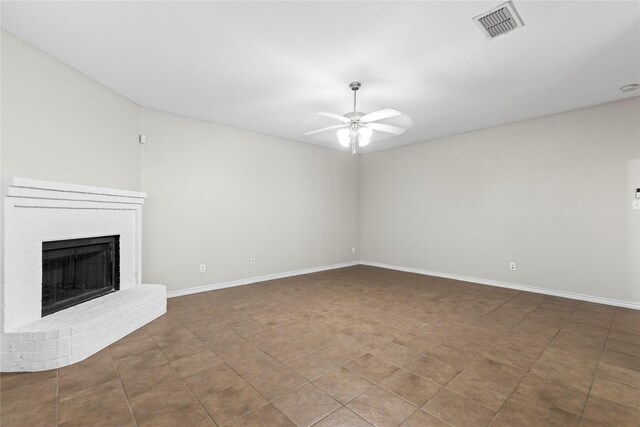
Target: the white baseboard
pixel 526 288
pixel 257 279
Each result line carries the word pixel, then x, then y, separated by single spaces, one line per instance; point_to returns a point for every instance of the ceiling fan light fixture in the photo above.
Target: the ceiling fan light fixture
pixel 363 142
pixel 365 132
pixel 356 128
pixel 344 137
pixel 364 136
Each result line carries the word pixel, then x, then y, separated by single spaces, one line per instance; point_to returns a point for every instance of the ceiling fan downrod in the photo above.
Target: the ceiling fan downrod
pixel 354 87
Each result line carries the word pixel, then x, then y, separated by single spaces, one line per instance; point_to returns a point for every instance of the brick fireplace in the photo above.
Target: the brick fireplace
pixel 38 216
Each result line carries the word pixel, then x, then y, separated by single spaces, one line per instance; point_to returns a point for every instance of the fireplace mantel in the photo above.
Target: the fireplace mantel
pixel 34 212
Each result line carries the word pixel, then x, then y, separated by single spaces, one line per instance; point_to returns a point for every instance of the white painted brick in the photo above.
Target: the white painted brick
pixel 17 356
pixel 63 342
pixel 51 334
pixel 21 346
pixel 49 364
pixel 10 366
pixel 50 355
pixel 64 351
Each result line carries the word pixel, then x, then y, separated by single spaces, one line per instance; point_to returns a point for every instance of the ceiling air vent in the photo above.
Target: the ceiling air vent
pixel 499 20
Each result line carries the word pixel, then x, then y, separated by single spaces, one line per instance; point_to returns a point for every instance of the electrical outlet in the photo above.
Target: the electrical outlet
pixel 203 268
pixel 252 262
pixel 353 250
pixel 512 266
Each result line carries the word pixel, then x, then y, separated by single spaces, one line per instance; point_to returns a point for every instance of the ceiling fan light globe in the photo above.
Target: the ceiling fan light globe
pixel 344 137
pixel 363 142
pixel 365 133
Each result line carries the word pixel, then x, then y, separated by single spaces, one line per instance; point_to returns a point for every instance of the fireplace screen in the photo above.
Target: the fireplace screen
pixel 74 271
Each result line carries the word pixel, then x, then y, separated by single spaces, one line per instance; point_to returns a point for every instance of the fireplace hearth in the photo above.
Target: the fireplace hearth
pixel 78 270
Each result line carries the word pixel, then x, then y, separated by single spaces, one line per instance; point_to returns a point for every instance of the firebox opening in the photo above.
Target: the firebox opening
pixel 78 270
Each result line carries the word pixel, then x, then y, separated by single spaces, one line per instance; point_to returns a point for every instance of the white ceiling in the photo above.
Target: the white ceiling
pixel 269 66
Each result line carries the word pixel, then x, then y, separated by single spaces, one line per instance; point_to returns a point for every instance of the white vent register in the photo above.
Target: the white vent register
pixel 499 20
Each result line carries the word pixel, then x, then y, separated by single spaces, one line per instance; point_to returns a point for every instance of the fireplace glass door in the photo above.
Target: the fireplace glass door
pixel 74 271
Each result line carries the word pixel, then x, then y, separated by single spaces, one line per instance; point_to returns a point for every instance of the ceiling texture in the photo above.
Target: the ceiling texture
pixel 269 66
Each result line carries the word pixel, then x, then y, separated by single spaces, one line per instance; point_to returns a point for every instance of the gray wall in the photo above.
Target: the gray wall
pixel 220 196
pixel 552 194
pixel 59 125
pixel 217 196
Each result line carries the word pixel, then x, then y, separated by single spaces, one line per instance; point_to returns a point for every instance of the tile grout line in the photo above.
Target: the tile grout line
pixel 268 402
pixel 135 421
pixel 523 377
pixel 57 396
pixel 529 369
pixel 595 372
pixel 180 376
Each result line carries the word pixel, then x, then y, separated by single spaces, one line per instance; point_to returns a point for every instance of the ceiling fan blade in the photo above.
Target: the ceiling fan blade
pixel 395 130
pixel 335 116
pixel 385 113
pixel 313 132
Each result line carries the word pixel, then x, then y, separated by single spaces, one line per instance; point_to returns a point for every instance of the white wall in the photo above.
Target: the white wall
pixel 220 196
pixel 59 125
pixel 217 195
pixel 552 194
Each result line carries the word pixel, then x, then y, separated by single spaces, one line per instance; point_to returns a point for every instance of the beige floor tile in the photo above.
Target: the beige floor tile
pixel 421 418
pixel 129 347
pixel 551 393
pixel 182 349
pixel 37 414
pixel 144 360
pixel 306 405
pixel 343 417
pixel 371 367
pixel 617 374
pixel 276 382
pixel 22 399
pixel 168 396
pixel 192 416
pixel 434 369
pixel 195 363
pixel 232 402
pixel 600 412
pixel 266 415
pixel 342 384
pixel 344 329
pixel 396 353
pixel 312 365
pixel 212 380
pixel 97 405
pixel 409 386
pixel 85 376
pixel 525 412
pixel 458 410
pixel 490 392
pixel 381 408
pixel 616 392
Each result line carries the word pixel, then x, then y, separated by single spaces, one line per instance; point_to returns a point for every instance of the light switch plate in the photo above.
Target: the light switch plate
pixel 636 205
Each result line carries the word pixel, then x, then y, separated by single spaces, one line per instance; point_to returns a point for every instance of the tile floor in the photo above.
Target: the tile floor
pixel 357 346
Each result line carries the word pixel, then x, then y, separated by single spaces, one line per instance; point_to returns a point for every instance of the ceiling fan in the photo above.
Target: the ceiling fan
pixel 357 128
